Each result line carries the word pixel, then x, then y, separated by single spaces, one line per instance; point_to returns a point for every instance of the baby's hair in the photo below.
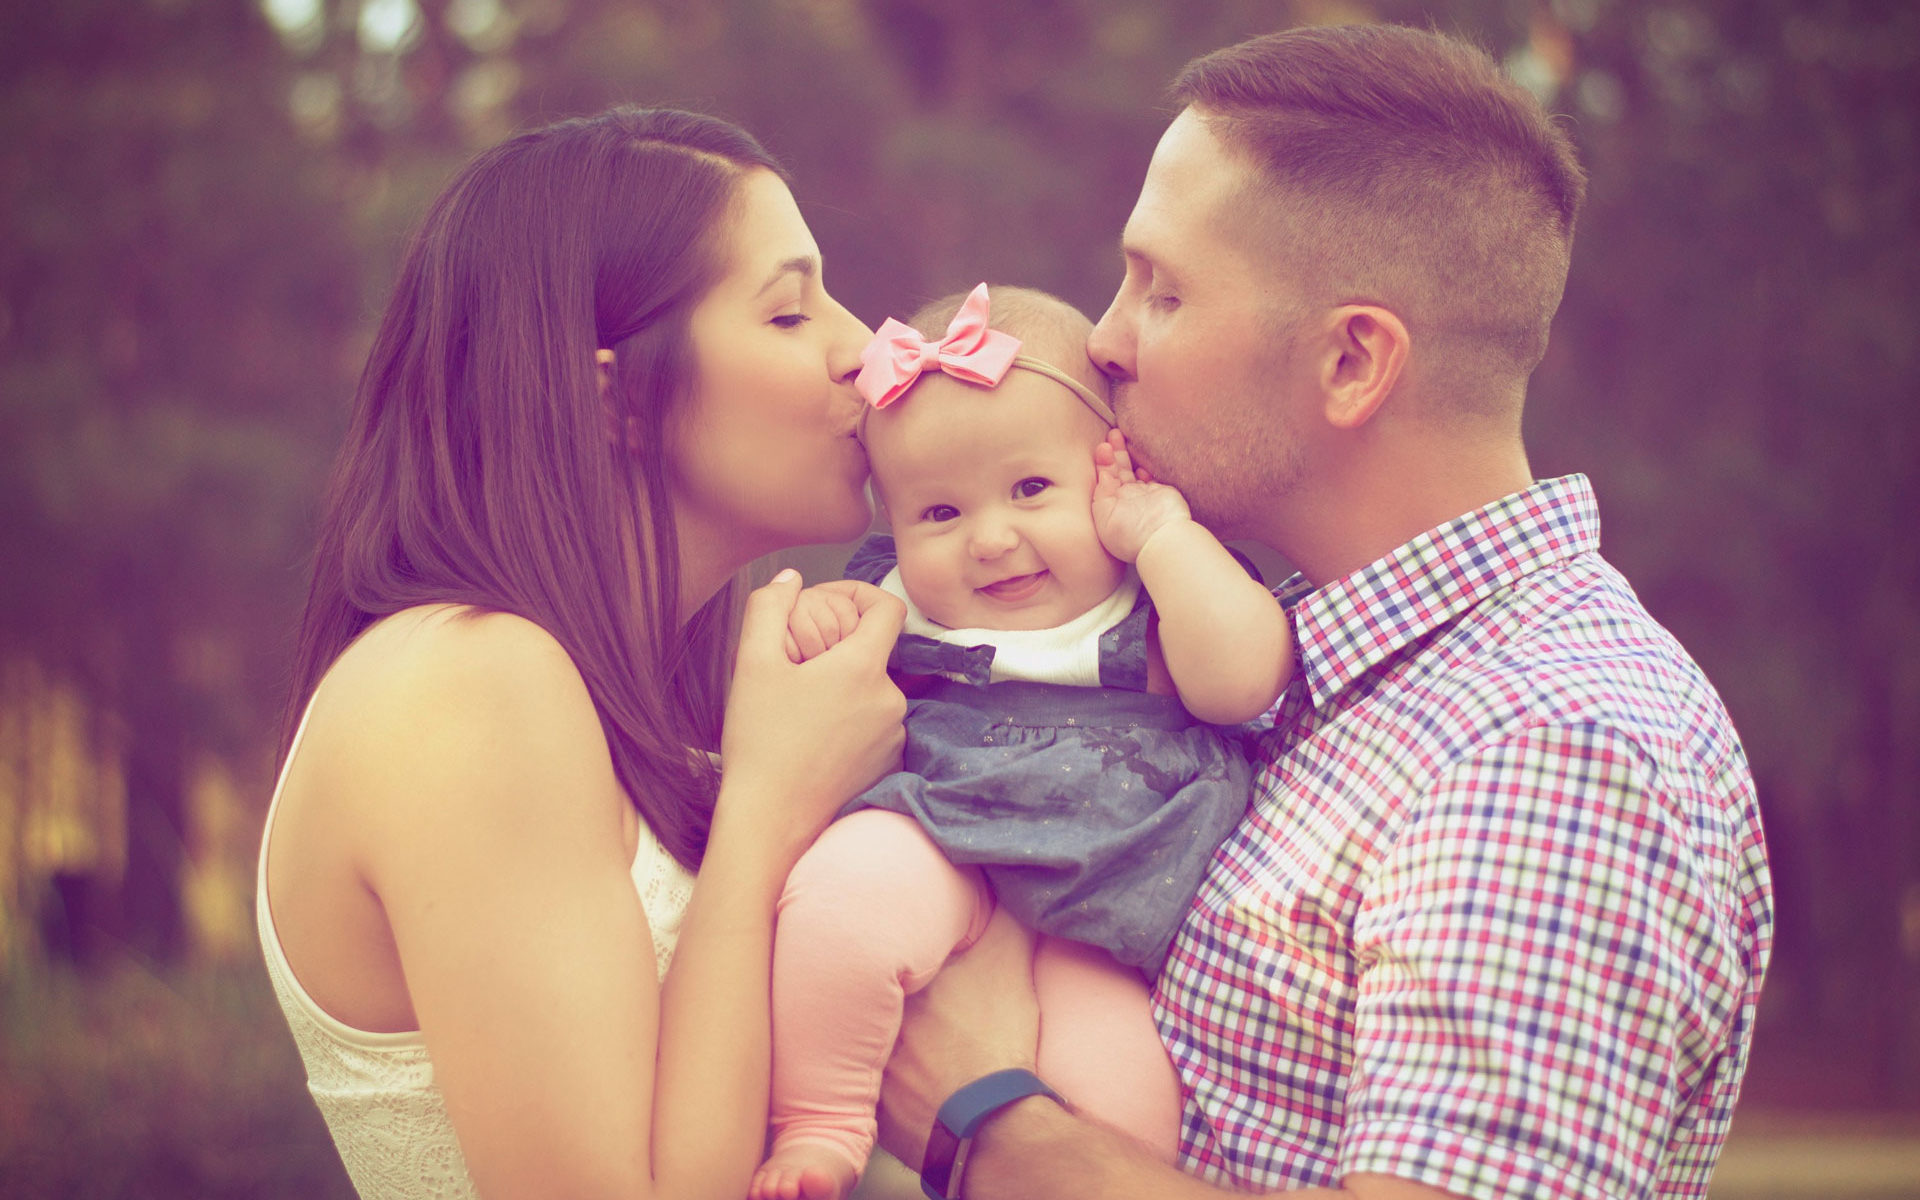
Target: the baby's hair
pixel 1051 332
pixel 1049 328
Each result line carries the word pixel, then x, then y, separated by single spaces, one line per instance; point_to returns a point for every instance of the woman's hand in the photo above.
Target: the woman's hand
pixel 1128 505
pixel 801 739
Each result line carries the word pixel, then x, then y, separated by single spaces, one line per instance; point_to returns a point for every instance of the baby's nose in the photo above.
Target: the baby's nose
pixel 991 539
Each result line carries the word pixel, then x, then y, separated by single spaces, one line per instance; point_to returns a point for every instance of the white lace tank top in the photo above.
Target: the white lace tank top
pixel 376 1090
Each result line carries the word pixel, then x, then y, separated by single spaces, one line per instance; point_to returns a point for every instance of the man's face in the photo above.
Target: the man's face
pixel 1198 340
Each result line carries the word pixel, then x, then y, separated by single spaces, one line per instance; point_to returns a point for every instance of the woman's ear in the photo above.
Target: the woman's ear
pixel 1369 350
pixel 622 431
pixel 603 370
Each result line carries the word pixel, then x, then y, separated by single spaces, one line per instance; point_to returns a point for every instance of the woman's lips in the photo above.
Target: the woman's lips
pixel 1016 587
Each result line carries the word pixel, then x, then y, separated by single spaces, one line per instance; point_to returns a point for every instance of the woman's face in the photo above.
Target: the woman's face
pixel 765 455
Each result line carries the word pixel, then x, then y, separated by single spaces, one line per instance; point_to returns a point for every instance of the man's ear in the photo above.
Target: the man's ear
pixel 1366 351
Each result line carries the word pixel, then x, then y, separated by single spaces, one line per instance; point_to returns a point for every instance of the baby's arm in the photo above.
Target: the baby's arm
pixel 1225 638
pixel 824 614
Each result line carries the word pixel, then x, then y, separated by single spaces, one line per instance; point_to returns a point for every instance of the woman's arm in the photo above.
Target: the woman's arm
pixel 495 836
pixel 799 741
pixel 491 834
pixel 1225 639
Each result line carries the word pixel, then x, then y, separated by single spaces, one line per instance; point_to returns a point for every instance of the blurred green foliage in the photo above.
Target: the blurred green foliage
pixel 203 202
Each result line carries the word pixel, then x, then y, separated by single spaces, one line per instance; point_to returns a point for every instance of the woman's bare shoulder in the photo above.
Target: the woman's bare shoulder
pixel 453 659
pixel 437 638
pixel 458 703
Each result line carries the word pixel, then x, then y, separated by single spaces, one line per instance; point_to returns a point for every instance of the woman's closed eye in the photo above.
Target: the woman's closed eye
pixel 1030 487
pixel 791 320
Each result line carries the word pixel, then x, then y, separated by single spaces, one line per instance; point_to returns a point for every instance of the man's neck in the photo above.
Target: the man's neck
pixel 1373 506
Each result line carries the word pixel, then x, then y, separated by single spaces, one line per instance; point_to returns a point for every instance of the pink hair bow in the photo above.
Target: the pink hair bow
pixel 970 351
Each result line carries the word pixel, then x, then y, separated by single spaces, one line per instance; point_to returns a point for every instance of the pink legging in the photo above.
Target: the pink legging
pixel 869 915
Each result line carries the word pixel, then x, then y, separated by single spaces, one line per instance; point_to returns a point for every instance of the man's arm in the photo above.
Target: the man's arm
pixel 978 1016
pixel 1036 1148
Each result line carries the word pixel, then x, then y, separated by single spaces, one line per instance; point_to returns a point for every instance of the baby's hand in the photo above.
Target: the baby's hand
pixel 823 614
pixel 1128 506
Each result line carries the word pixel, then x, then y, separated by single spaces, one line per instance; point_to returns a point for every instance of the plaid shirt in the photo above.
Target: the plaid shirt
pixel 1497 917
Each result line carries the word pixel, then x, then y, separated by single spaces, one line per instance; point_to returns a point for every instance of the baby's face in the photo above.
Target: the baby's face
pixel 989 492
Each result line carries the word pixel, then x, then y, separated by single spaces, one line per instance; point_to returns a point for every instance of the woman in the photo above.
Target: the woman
pixel 609 377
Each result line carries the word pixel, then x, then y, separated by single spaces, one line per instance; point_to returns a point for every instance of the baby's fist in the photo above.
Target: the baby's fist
pixel 822 615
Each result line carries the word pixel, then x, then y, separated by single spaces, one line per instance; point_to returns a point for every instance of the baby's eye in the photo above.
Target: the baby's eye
pixel 791 320
pixel 940 512
pixel 1027 489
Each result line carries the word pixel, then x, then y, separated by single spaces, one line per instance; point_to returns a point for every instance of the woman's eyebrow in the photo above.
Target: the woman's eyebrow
pixel 804 265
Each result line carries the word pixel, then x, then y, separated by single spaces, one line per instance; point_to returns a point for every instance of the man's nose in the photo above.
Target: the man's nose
pixel 1110 345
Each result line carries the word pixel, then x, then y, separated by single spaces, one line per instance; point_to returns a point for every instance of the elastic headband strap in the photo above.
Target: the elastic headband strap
pixel 1067 381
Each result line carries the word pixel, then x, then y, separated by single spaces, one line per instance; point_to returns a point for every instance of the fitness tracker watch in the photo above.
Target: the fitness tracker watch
pixel 964 1112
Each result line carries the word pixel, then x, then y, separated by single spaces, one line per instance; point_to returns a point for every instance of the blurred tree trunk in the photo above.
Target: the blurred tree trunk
pixel 148 905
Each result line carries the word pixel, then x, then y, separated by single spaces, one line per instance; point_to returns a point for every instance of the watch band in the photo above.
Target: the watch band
pixel 964 1112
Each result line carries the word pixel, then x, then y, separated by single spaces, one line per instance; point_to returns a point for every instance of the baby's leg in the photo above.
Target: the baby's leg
pixel 1099 1047
pixel 870 913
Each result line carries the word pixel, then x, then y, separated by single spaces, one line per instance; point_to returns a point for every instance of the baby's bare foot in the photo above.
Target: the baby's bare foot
pixel 803 1172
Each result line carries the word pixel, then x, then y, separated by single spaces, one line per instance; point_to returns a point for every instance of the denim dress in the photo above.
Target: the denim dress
pixel 1093 811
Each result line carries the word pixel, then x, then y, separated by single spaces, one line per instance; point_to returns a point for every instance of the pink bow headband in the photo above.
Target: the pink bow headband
pixel 970 351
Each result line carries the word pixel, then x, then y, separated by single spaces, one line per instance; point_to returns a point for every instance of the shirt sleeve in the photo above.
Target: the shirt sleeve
pixel 1540 973
pixel 872 559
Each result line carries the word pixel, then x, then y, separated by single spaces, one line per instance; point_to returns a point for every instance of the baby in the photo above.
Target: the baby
pixel 1057 758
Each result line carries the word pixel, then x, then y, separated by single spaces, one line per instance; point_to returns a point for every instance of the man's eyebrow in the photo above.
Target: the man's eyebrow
pixel 804 265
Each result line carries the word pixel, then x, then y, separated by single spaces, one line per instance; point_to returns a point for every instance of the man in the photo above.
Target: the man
pixel 1496 920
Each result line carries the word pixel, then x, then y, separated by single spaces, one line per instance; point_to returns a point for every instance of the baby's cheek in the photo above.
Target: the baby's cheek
pixel 1078 531
pixel 926 584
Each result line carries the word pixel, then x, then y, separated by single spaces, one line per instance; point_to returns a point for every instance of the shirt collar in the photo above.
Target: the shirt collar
pixel 1354 623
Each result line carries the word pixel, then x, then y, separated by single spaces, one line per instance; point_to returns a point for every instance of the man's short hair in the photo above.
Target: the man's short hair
pixel 1403 168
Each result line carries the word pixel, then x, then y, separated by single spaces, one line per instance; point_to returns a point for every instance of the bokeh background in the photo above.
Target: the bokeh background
pixel 203 204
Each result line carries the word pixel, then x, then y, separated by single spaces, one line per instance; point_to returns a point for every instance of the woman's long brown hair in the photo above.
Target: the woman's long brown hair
pixel 482 466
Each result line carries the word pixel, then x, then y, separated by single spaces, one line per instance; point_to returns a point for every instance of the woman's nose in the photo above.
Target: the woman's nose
pixel 851 336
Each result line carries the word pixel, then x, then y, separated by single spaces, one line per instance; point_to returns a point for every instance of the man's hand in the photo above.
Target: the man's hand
pixel 1128 505
pixel 825 613
pixel 978 1016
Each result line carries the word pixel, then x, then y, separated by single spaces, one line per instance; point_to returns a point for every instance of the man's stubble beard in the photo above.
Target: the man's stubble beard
pixel 1232 483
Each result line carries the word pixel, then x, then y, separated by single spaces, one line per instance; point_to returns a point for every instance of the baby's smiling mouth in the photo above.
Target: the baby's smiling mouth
pixel 1016 587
